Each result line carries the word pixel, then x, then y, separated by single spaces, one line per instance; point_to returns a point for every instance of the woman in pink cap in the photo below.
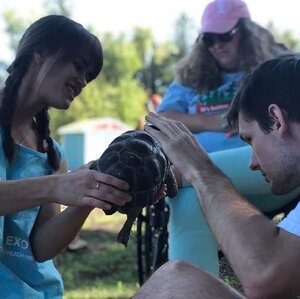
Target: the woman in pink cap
pixel 229 46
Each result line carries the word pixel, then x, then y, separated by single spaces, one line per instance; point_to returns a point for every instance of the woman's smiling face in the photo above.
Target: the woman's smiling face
pixel 60 80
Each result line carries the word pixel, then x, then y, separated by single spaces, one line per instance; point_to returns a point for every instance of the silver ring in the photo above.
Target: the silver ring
pixel 98 185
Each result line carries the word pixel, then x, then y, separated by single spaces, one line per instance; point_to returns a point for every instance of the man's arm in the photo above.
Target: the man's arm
pixel 265 258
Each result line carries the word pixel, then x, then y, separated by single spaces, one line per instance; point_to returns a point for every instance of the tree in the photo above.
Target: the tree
pixel 287 37
pixel 14 28
pixel 121 58
pixel 157 59
pixel 184 34
pixel 134 67
pixel 61 7
pixel 3 74
pixel 145 45
pixel 15 25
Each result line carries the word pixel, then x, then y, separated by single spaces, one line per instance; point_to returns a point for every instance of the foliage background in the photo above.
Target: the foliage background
pixel 135 66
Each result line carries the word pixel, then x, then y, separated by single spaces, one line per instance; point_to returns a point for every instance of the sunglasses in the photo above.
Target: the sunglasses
pixel 209 39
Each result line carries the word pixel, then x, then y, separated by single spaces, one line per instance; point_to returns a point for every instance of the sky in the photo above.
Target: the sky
pixel 159 15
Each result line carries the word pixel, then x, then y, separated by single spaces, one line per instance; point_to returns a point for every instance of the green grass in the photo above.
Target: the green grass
pixel 107 269
pixel 103 270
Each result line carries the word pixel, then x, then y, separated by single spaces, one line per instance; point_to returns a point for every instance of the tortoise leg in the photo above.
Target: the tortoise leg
pixel 124 233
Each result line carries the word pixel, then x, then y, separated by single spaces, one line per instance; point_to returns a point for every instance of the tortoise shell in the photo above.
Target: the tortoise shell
pixel 137 158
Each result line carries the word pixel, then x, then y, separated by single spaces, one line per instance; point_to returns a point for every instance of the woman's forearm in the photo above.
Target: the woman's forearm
pixel 59 230
pixel 17 195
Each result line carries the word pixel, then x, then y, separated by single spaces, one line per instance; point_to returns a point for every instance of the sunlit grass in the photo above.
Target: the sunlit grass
pixel 103 270
pixel 102 291
pixel 98 218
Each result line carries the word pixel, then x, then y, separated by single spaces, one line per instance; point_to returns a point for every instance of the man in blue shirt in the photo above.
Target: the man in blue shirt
pixel 264 256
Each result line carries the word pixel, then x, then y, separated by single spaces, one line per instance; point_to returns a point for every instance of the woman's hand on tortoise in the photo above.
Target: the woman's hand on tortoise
pixel 85 187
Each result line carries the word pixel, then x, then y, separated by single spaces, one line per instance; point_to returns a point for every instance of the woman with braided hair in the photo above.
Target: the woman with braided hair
pixel 55 60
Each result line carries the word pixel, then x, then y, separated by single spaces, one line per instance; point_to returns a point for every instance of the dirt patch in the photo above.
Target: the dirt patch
pixel 228 275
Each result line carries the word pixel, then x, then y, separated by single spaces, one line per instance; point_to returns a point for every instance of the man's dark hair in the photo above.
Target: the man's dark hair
pixel 276 81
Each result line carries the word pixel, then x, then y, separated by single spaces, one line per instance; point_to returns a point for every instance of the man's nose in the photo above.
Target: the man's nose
pixel 253 163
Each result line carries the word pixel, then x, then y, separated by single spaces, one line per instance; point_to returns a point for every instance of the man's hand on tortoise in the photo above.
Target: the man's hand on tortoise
pixel 179 145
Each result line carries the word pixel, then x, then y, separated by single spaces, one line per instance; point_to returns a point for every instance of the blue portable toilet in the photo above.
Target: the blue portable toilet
pixel 86 140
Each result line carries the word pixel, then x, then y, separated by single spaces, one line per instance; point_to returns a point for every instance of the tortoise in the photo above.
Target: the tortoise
pixel 137 158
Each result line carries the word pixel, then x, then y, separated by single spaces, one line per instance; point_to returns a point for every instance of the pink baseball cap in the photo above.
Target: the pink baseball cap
pixel 220 16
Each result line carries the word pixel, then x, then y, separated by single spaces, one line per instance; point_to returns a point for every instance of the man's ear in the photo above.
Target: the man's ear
pixel 279 117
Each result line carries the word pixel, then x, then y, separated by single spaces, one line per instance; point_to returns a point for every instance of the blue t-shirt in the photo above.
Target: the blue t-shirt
pixel 21 277
pixel 291 222
pixel 183 99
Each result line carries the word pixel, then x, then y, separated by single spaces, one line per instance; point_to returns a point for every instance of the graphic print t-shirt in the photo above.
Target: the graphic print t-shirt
pixel 183 99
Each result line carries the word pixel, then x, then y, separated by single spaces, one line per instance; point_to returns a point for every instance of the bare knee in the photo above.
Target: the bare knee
pixel 177 265
pixel 174 265
pixel 179 279
pixel 180 266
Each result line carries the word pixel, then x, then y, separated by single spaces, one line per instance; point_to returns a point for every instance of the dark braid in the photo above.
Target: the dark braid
pixel 42 122
pixel 12 84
